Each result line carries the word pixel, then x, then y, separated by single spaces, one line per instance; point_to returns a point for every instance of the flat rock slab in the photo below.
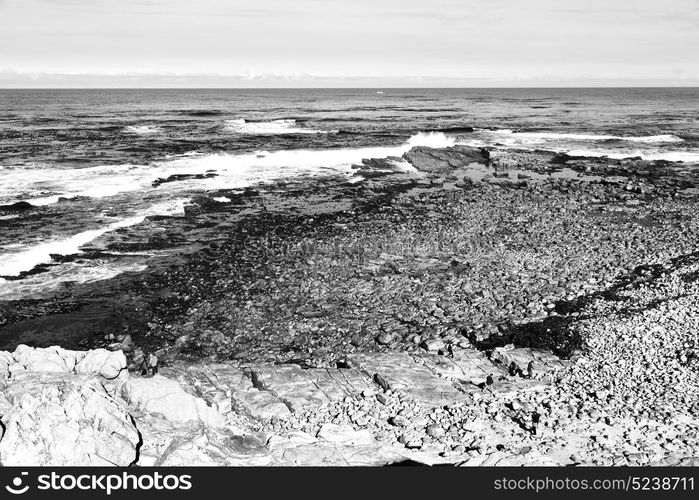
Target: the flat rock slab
pixel 229 389
pixel 213 448
pixel 469 366
pixel 300 448
pixel 166 397
pixel 266 391
pixel 521 358
pixel 401 373
pixel 345 435
pixel 299 388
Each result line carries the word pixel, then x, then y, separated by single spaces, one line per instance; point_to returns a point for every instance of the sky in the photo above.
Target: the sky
pixel 348 42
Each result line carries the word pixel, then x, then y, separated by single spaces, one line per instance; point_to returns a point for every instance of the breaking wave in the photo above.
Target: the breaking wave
pixel 142 129
pixel 647 147
pixel 239 170
pixel 544 136
pixel 46 186
pixel 651 155
pixel 432 140
pixel 274 127
pixel 25 258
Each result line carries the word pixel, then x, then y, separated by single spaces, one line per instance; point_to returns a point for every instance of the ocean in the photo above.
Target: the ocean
pixel 92 162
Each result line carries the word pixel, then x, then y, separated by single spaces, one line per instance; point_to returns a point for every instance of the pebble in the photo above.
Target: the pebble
pixel 435 431
pixel 384 339
pixel 433 345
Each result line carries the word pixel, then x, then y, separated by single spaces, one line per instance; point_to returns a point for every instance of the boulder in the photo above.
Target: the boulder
pixel 431 159
pixel 59 420
pixel 20 206
pixel 433 345
pixel 379 167
pixel 107 364
pixel 49 359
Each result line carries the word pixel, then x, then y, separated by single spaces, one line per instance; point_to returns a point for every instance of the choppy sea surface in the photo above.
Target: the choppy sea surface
pixel 105 148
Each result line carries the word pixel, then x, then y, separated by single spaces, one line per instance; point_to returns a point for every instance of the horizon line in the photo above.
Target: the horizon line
pixel 440 87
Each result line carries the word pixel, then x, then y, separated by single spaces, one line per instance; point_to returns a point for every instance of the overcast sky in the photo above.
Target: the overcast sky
pixel 318 42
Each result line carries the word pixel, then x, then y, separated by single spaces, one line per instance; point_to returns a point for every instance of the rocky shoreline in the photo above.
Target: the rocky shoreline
pixel 476 307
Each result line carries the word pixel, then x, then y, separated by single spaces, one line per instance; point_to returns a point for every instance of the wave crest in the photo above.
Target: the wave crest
pixel 274 127
pixel 432 140
pixel 543 136
pixel 142 129
pixel 29 256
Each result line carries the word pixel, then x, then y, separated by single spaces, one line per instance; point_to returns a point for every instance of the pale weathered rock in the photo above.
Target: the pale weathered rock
pixel 404 375
pixel 108 364
pixel 211 448
pixel 50 359
pixel 300 388
pixel 433 345
pixel 166 397
pixel 345 435
pixel 529 459
pixel 467 365
pixel 57 419
pixel 228 388
pixel 6 360
pixel 300 448
pixel 688 462
pixel 526 361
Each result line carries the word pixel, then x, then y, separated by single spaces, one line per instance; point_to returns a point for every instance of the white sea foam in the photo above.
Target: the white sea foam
pixel 650 154
pixel 239 170
pixel 651 147
pixel 233 170
pixel 45 186
pixel 432 140
pixel 26 257
pixel 683 156
pixel 75 272
pixel 404 165
pixel 655 138
pixel 563 136
pixel 142 129
pixel 274 127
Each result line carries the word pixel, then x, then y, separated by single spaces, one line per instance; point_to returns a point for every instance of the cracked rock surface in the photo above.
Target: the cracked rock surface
pixel 57 409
